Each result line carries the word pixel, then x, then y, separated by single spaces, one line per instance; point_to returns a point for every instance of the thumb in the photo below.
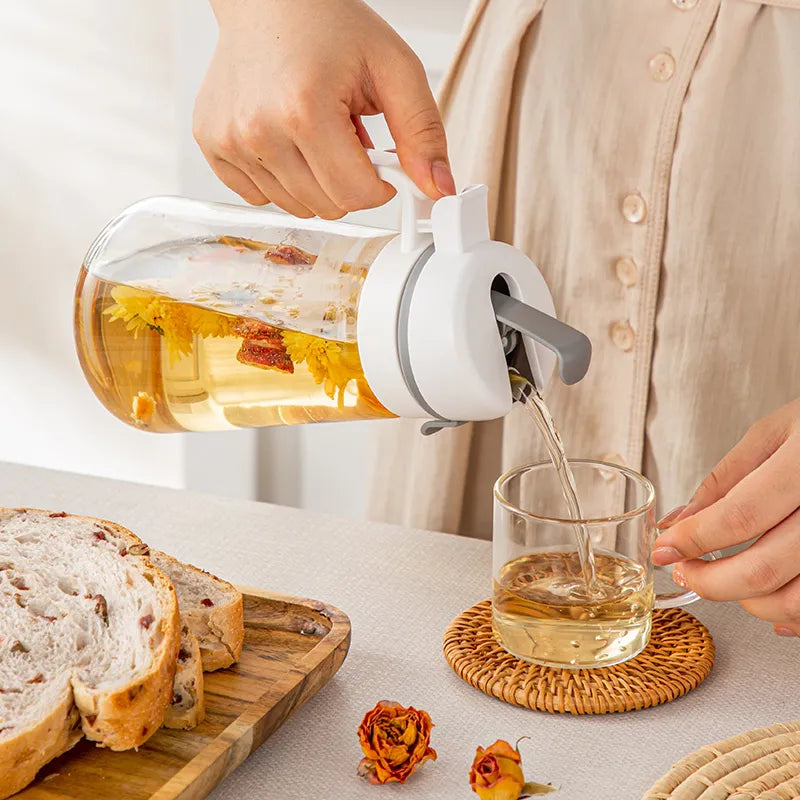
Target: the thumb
pixel 417 128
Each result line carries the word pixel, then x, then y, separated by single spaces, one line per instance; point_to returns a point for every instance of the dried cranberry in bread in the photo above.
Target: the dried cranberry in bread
pixel 89 636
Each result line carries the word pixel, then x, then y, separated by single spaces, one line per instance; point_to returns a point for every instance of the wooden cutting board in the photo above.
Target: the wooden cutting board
pixel 291 648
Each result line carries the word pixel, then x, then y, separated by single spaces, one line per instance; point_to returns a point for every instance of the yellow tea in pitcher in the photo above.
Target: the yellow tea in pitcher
pixel 168 356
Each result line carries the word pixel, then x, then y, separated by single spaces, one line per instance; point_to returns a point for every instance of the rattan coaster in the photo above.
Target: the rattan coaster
pixel 762 764
pixel 677 659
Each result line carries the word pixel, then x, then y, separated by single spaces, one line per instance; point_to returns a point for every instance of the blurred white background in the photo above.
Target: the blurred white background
pixel 96 114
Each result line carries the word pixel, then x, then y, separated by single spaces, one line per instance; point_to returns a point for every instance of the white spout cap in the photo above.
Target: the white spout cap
pixel 455 350
pixel 427 333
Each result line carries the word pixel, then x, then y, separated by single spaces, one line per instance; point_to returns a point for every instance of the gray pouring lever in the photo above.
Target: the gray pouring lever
pixel 573 348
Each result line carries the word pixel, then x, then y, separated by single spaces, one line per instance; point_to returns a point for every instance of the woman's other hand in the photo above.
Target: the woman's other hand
pixel 753 492
pixel 278 116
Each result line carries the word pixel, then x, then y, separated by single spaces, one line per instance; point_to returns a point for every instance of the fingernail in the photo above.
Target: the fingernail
pixel 678 578
pixel 664 556
pixel 686 511
pixel 667 519
pixel 443 178
pixel 781 630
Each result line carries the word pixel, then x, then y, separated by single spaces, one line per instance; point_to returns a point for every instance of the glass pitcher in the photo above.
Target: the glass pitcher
pixel 196 316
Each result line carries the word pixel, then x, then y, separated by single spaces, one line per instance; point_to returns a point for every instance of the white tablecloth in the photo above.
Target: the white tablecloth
pixel 401 588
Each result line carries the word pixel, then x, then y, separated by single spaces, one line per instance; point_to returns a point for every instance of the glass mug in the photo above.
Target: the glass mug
pixel 541 611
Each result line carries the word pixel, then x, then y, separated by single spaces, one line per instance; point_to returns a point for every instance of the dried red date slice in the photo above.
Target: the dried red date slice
pixel 257 353
pixel 249 328
pixel 277 253
pixel 289 254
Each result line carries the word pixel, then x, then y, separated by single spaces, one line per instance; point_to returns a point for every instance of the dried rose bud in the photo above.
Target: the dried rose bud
pixel 496 774
pixel 395 741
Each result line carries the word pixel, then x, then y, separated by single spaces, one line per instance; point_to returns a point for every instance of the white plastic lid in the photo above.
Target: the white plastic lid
pixel 427 332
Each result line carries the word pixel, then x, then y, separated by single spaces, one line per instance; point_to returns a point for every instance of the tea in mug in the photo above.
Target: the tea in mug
pixel 542 611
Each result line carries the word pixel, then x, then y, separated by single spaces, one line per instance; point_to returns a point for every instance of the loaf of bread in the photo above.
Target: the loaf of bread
pixel 89 639
pixel 211 607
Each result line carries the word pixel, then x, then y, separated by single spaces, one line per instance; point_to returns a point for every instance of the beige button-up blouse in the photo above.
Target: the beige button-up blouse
pixel 646 155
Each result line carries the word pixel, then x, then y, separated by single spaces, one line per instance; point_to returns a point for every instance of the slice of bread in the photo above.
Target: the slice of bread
pixel 188 706
pixel 89 637
pixel 211 607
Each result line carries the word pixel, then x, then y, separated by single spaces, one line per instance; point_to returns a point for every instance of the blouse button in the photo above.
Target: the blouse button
pixel 627 272
pixel 622 335
pixel 634 208
pixel 662 67
pixel 684 5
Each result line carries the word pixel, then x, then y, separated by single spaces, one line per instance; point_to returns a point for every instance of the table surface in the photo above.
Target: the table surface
pixel 401 588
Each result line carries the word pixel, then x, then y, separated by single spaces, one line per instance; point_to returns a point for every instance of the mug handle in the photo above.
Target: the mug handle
pixel 675 599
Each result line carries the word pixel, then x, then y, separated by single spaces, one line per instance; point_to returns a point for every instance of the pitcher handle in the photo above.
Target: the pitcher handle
pixel 415 204
pixel 675 599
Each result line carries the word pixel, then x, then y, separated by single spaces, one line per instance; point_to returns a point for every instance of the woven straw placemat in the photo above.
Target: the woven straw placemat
pixel 763 764
pixel 677 659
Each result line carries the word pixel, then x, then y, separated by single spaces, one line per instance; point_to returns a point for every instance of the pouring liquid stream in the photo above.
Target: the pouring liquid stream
pixel 540 414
